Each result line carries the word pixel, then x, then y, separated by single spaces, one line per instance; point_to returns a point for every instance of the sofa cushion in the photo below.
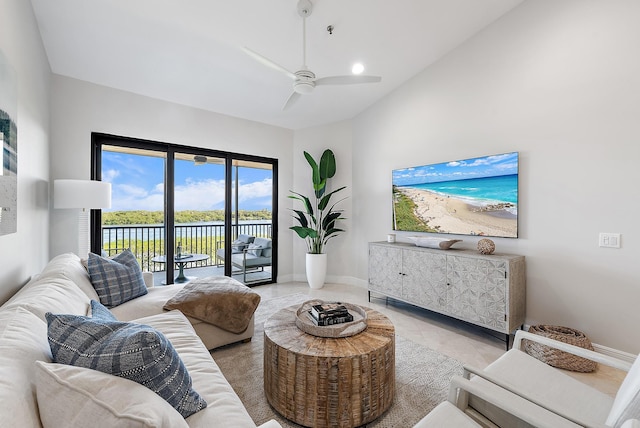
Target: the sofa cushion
pixel 133 351
pixel 116 280
pixel 71 396
pixel 52 291
pixel 23 340
pixel 224 407
pixel 71 267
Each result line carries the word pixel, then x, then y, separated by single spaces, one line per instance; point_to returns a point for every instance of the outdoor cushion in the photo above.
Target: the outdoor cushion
pixel 247 239
pixel 134 351
pixel 254 250
pixel 265 244
pixel 116 280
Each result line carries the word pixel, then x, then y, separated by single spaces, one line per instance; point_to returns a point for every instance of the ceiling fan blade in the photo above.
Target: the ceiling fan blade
pixel 292 100
pixel 347 80
pixel 266 61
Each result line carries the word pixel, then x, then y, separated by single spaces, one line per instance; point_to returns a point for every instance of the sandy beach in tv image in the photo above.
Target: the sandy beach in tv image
pixel 477 196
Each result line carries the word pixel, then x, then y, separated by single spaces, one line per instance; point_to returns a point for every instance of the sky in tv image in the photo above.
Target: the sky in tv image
pixel 487 166
pixel 138 184
pixel 476 196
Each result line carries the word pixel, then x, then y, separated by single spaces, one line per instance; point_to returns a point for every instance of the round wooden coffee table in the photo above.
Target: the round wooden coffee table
pixel 329 382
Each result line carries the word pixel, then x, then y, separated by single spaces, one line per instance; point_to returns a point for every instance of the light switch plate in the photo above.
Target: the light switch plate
pixel 609 240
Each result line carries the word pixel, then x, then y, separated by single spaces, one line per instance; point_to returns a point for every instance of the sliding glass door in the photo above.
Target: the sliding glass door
pixel 187 212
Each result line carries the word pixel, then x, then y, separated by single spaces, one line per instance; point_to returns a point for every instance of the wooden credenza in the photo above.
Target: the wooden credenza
pixel 486 290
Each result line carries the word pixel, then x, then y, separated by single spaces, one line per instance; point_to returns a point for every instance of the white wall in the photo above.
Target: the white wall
pixel 26 252
pixel 80 108
pixel 559 82
pixel 315 141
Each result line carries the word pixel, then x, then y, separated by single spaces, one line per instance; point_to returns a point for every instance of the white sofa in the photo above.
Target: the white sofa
pixel 64 287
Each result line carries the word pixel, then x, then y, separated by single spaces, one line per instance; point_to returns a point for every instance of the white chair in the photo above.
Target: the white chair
pixel 456 412
pixel 552 391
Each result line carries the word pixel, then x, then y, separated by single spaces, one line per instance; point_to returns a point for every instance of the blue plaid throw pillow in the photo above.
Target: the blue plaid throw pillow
pixel 116 280
pixel 133 351
pixel 98 311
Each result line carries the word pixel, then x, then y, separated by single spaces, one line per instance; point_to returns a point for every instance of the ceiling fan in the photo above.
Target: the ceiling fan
pixel 304 80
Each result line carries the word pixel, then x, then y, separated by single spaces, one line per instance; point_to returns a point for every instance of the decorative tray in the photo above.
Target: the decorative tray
pixel 439 243
pixel 304 323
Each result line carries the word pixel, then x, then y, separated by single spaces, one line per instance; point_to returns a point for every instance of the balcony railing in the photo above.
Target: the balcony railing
pixel 147 241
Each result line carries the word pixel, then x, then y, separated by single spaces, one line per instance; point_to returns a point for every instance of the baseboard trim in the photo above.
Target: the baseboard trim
pixel 615 353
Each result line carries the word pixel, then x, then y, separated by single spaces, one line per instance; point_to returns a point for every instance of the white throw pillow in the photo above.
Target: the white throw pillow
pixel 70 396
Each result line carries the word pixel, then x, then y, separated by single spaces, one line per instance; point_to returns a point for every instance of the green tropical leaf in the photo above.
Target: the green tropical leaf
pixel 315 171
pixel 329 220
pixel 327 164
pixel 302 218
pixel 305 201
pixel 325 199
pixel 303 232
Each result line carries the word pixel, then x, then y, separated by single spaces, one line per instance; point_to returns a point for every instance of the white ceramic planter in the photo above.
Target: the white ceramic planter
pixel 316 265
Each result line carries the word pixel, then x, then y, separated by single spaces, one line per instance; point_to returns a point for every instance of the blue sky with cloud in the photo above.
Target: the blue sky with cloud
pixel 138 184
pixel 487 166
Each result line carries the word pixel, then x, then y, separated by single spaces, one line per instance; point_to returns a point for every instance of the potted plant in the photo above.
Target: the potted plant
pixel 317 223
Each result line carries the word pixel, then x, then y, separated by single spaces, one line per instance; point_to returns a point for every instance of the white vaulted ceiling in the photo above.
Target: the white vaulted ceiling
pixel 190 51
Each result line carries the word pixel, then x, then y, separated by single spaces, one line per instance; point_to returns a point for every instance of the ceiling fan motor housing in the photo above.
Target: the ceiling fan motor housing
pixel 304 84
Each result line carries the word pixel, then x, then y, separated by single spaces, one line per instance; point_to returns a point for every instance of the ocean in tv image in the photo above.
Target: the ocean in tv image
pixel 477 196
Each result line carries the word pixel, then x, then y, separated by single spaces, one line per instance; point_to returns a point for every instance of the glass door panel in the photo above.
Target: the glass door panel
pixel 199 214
pixel 251 221
pixel 136 218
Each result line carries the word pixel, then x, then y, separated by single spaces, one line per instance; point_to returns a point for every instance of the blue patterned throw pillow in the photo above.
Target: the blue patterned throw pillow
pixel 99 311
pixel 116 280
pixel 133 351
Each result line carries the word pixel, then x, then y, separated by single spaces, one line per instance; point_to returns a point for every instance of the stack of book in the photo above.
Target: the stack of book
pixel 329 314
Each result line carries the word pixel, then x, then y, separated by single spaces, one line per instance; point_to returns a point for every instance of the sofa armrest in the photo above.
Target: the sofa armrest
pixel 607 360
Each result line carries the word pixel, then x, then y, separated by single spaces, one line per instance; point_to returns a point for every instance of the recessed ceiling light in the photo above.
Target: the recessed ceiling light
pixel 357 68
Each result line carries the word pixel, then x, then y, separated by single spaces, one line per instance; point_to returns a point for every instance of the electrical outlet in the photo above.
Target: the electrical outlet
pixel 609 240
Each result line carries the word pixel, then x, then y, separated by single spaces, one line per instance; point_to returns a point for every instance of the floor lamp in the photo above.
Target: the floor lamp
pixel 84 195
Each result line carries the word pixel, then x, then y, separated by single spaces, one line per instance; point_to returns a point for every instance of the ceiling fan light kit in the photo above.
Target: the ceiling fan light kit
pixel 304 80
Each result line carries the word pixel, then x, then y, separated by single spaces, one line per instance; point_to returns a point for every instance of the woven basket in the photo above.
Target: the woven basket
pixel 555 357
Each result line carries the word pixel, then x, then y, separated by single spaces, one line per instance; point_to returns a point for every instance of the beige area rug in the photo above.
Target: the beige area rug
pixel 422 375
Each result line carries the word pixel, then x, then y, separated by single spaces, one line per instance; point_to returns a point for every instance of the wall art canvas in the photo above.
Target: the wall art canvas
pixel 477 196
pixel 9 146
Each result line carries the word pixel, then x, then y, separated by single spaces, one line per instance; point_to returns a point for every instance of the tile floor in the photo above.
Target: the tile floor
pixel 469 344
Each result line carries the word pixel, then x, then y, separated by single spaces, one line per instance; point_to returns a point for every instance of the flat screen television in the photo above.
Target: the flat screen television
pixel 477 196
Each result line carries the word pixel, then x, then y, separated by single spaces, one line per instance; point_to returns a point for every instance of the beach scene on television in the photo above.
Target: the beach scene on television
pixel 477 196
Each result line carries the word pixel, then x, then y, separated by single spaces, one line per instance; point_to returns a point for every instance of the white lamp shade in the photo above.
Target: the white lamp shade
pixel 81 194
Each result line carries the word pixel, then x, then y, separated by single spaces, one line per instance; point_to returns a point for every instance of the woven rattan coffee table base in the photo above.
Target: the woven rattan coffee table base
pixel 327 382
